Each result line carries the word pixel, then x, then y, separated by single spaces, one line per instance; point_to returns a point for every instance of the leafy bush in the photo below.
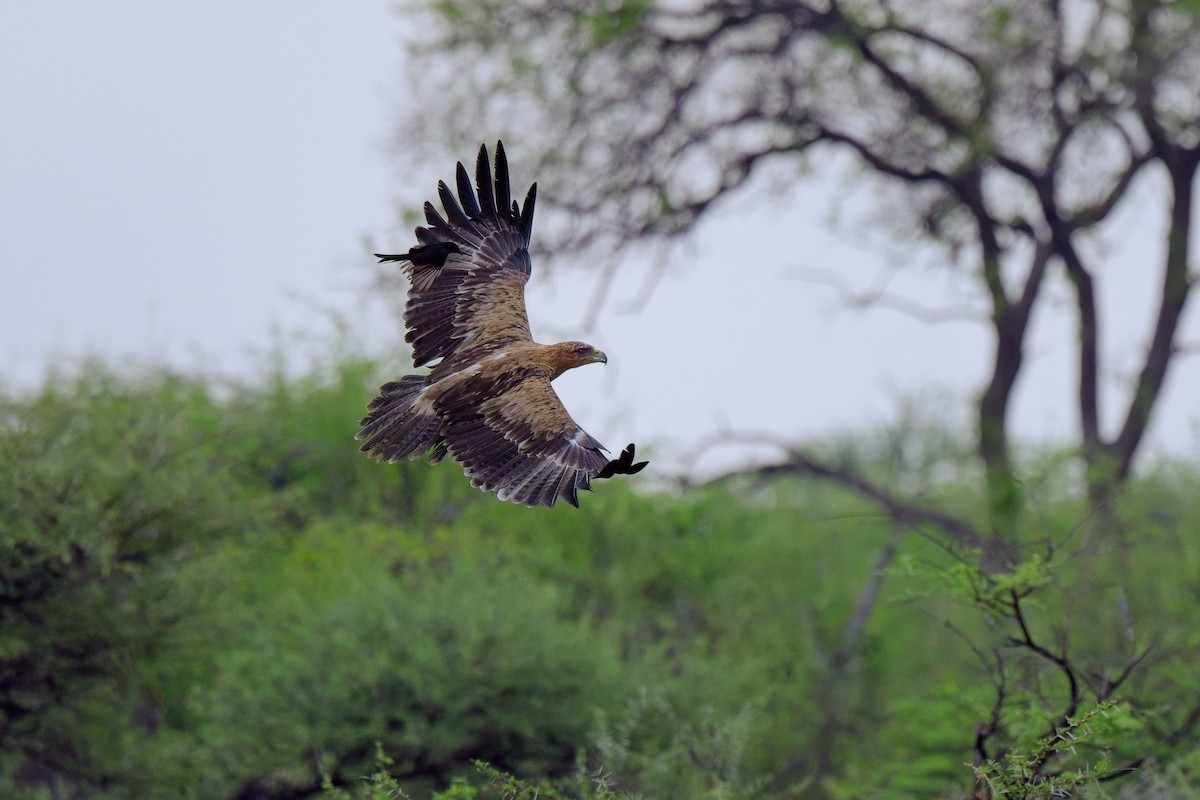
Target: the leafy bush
pixel 361 634
pixel 209 592
pixel 110 488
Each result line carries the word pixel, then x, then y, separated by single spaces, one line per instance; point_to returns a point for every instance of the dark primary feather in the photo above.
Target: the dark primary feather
pixel 483 183
pixel 527 214
pixel 465 192
pixel 503 192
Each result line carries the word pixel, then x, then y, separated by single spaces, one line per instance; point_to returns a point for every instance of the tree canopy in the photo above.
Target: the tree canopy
pixel 1004 134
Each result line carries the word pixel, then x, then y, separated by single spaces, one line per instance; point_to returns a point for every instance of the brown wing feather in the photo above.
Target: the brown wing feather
pixel 521 443
pixel 470 298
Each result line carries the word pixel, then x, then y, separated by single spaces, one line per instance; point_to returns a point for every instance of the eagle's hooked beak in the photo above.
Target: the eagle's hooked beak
pixel 603 359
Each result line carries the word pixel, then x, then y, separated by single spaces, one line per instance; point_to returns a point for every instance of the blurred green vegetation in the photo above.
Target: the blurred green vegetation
pixel 208 592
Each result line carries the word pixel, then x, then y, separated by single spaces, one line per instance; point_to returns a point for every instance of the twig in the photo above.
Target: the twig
pixel 880 297
pixel 901 512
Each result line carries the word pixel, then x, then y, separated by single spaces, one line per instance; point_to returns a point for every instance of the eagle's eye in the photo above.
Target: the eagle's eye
pixel 583 349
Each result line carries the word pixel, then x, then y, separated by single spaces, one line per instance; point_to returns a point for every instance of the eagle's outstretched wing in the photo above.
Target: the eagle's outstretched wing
pixel 469 271
pixel 523 445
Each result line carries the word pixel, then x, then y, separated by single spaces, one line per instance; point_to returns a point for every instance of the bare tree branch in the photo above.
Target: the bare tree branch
pixel 880 297
pixel 901 512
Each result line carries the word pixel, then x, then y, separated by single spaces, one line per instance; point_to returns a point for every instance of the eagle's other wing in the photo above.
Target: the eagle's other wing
pixel 468 273
pixel 521 443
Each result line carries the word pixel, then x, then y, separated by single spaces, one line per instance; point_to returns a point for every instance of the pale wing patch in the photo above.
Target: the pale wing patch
pixel 532 416
pixel 490 308
pixel 523 445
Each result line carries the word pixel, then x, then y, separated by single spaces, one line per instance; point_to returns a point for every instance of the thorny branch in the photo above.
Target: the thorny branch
pixel 1061 727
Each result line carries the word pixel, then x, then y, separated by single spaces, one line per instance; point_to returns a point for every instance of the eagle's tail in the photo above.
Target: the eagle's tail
pixel 397 427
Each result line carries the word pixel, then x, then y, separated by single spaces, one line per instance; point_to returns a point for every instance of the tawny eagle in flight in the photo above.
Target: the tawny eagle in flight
pixel 487 402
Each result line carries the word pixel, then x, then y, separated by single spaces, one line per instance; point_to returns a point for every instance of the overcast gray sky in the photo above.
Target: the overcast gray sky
pixel 180 179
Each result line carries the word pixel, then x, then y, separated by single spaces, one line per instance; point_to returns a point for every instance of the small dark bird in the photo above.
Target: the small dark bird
pixel 487 401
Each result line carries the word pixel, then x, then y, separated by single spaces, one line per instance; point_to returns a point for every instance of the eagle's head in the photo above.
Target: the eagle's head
pixel 568 355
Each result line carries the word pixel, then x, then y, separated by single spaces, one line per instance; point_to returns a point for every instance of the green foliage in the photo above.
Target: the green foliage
pixel 354 635
pixel 209 592
pixel 615 21
pixel 1022 774
pixel 111 487
pixel 381 785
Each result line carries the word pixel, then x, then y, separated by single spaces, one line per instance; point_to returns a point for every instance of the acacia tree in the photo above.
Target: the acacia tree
pixel 1013 129
pixel 1012 132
